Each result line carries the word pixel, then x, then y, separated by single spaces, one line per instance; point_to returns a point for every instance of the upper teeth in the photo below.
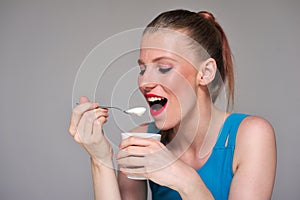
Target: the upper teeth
pixel 152 99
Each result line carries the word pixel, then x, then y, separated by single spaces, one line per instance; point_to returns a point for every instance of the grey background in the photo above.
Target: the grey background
pixel 43 44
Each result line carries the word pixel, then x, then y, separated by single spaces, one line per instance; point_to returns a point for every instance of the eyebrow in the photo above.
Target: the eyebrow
pixel 141 62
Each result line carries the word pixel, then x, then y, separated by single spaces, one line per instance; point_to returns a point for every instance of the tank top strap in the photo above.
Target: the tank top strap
pixel 227 135
pixel 229 129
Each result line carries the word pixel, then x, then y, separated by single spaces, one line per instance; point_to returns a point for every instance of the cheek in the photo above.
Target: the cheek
pixel 183 89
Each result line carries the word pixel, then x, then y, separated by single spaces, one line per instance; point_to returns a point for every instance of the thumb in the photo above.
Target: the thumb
pixel 84 99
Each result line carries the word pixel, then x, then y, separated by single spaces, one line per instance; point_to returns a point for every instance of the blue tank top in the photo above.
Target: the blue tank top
pixel 216 173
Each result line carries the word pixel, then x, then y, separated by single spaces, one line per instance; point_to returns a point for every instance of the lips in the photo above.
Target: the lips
pixel 157 103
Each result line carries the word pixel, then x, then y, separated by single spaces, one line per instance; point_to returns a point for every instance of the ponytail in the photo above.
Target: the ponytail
pixel 206 31
pixel 226 56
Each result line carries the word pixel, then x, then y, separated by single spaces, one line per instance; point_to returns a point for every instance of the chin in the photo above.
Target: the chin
pixel 163 124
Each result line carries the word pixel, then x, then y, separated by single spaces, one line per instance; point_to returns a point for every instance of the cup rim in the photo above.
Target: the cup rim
pixel 140 134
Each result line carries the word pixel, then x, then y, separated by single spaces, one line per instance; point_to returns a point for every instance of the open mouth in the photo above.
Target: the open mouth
pixel 157 103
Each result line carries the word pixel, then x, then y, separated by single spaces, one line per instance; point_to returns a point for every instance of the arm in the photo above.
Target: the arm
pixel 133 189
pixel 86 128
pixel 254 165
pixel 105 182
pixel 190 185
pixel 162 167
pixel 254 161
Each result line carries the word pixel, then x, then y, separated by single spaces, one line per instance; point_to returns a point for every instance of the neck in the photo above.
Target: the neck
pixel 198 132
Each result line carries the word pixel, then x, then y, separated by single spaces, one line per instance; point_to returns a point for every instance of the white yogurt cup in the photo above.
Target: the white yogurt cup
pixel 154 136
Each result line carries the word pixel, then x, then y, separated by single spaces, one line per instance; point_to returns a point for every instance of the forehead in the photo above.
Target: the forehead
pixel 168 43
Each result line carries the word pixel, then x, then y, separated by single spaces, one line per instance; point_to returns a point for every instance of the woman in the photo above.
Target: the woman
pixel 205 153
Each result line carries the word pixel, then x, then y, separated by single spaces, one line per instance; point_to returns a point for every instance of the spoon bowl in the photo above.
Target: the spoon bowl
pixel 139 111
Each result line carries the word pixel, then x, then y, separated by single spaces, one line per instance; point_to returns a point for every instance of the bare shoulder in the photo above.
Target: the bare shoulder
pixel 254 162
pixel 255 127
pixel 255 141
pixel 140 129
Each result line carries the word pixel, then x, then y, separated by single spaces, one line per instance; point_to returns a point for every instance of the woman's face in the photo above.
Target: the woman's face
pixel 167 78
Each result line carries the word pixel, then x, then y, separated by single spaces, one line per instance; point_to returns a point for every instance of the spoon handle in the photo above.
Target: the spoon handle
pixel 112 107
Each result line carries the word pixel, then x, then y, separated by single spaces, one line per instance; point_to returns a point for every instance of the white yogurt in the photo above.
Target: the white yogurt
pixel 139 111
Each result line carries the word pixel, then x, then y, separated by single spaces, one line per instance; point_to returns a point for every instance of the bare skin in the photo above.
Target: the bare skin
pixel 185 86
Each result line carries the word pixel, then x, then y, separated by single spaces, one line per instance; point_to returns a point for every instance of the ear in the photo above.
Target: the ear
pixel 207 72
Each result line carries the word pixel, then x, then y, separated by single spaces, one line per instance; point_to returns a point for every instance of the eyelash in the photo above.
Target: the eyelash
pixel 142 71
pixel 161 68
pixel 164 68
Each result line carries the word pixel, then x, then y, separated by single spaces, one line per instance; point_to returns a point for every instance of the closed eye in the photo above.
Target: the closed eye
pixel 142 68
pixel 142 71
pixel 164 69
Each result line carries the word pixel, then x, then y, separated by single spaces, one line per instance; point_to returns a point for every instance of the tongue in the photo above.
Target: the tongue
pixel 156 107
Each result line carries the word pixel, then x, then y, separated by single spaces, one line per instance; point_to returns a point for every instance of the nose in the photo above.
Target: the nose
pixel 145 88
pixel 146 82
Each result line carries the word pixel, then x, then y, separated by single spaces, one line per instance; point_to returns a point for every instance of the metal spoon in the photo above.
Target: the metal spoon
pixel 139 111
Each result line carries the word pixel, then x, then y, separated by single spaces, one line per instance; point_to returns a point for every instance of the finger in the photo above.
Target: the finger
pixel 87 121
pixel 85 126
pixel 77 139
pixel 131 162
pixel 102 119
pixel 97 134
pixel 77 114
pixel 137 141
pixel 138 171
pixel 84 99
pixel 133 151
pixel 140 167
